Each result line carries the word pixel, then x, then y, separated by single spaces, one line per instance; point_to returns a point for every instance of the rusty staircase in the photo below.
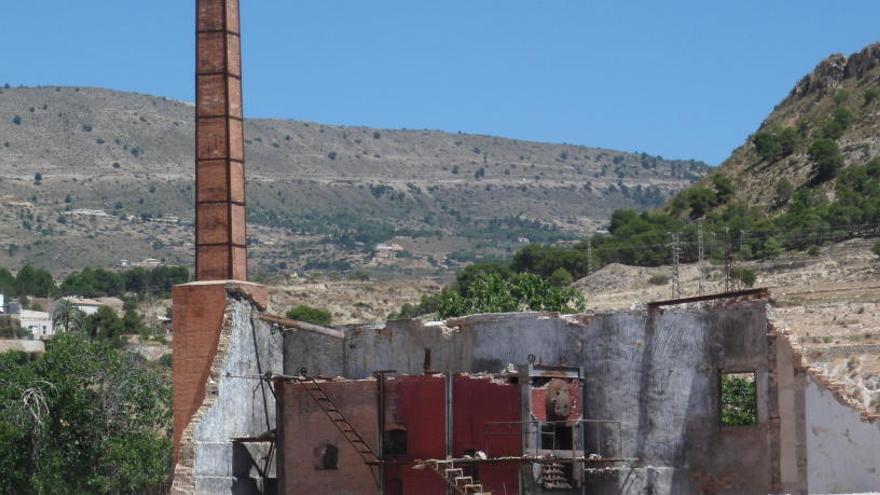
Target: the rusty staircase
pixel 338 419
pixel 554 478
pixel 455 478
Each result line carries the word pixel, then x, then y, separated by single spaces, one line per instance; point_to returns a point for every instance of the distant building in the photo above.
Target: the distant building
pixel 87 306
pixel 387 251
pixel 38 322
pixel 148 263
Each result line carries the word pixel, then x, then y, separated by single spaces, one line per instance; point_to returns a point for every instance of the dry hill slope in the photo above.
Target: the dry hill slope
pixel 839 100
pixel 85 173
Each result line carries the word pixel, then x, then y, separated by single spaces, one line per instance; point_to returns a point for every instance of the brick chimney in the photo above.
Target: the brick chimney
pixel 221 235
pixel 221 231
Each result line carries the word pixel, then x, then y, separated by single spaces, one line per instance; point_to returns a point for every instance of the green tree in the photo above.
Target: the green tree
pixel 788 141
pixel 105 324
pixel 738 400
pixel 724 188
pixel 784 190
pixel 309 314
pixel 490 293
pixel 744 277
pixel 66 317
pixel 83 418
pixel 561 277
pixel 34 282
pixel 771 249
pixel 700 200
pixel 8 284
pixel 827 159
pixel 767 145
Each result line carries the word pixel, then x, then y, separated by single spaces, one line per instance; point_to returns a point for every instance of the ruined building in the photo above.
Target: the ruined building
pixel 628 402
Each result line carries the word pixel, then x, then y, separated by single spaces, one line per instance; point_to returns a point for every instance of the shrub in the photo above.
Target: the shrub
pixel 871 95
pixel 876 249
pixel 491 293
pixel 788 141
pixel 744 276
pixel 723 188
pixel 839 122
pixel 561 277
pixel 659 279
pixel 827 159
pixel 331 155
pixel 16 120
pixel 767 145
pixel 310 314
pixel 784 190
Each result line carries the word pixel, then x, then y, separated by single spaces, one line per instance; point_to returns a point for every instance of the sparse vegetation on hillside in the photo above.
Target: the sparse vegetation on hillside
pixel 319 197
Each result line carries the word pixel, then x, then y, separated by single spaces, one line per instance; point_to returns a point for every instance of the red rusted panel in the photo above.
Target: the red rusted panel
pixel 570 391
pixel 417 404
pixel 486 416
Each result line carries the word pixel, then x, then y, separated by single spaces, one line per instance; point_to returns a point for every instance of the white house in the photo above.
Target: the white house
pixel 87 306
pixel 38 322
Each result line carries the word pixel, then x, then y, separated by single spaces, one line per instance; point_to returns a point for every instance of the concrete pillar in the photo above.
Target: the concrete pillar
pixel 221 231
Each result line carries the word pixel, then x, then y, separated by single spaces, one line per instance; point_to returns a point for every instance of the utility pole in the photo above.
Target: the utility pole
pixel 589 257
pixel 700 257
pixel 728 261
pixel 676 284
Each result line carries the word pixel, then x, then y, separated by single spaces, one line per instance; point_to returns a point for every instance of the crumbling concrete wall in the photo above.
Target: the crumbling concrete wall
pixel 237 404
pixel 843 448
pixel 657 372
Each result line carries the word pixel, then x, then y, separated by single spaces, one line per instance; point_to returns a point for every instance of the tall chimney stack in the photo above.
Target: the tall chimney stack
pixel 221 231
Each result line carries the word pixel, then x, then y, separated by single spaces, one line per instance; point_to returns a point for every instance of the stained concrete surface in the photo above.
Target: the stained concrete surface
pixel 237 405
pixel 657 373
pixel 843 451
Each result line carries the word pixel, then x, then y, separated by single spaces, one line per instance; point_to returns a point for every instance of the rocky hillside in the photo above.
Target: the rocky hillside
pixel 91 176
pixel 838 102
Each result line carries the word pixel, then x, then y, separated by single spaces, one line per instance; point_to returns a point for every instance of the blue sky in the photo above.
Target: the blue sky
pixel 678 78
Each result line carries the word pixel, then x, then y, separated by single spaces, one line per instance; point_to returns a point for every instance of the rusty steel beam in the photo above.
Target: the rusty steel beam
pixel 221 231
pixel 759 293
pixel 288 323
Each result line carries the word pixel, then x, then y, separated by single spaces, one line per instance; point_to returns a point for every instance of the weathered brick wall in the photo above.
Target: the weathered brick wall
pixel 205 326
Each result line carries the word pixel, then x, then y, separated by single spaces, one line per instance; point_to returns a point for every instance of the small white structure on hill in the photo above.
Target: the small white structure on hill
pixel 38 322
pixel 87 306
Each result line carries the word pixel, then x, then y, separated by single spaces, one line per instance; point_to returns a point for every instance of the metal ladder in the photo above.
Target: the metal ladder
pixel 338 419
pixel 455 478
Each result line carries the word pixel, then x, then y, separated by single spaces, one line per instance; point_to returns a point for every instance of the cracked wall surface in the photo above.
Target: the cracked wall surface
pixel 655 371
pixel 236 405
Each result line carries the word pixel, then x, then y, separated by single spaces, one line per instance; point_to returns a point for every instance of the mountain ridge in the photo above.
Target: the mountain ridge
pixel 318 195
